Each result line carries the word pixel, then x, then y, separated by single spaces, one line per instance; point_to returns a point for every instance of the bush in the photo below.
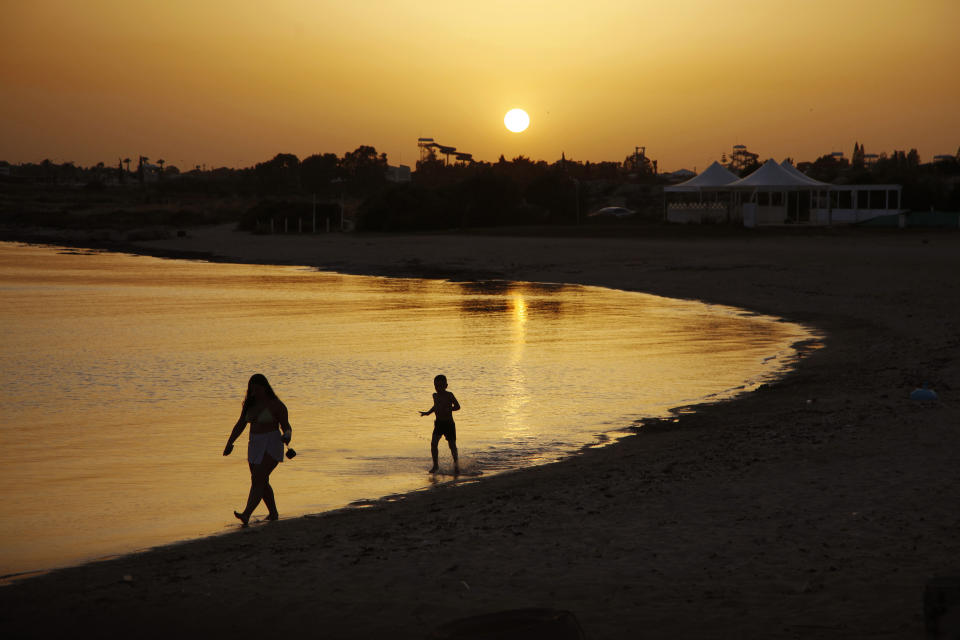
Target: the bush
pixel 404 207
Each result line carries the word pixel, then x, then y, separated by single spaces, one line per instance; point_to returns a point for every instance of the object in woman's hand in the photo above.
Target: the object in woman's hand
pixel 290 453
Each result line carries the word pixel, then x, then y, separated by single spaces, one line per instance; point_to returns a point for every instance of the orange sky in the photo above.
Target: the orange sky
pixel 233 82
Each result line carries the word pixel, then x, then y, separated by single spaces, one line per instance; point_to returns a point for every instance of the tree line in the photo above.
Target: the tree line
pixel 444 195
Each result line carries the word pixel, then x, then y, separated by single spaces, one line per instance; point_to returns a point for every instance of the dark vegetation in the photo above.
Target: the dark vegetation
pixel 355 191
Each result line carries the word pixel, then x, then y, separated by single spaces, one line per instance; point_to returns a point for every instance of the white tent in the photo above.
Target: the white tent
pixel 691 205
pixel 774 177
pixel 716 175
pixel 776 194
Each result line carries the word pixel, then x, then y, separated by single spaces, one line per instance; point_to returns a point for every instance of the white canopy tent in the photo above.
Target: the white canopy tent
pixel 772 177
pixel 777 194
pixel 702 198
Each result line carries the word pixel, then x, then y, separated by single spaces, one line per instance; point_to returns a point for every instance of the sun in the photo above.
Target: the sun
pixel 516 120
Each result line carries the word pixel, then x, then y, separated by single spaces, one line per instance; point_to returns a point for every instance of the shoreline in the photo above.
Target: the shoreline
pixel 814 505
pixel 606 434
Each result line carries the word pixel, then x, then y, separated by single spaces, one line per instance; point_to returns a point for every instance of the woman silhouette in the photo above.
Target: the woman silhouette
pixel 267 417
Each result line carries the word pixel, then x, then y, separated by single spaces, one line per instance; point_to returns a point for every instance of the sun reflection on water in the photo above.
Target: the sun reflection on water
pixel 517 396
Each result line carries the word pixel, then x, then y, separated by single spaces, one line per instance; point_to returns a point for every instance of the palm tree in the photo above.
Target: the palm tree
pixel 126 161
pixel 141 170
pixel 160 162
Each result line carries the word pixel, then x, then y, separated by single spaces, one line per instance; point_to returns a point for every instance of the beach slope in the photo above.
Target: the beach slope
pixel 817 506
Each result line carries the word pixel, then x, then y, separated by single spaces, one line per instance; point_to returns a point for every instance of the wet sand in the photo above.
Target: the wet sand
pixel 816 507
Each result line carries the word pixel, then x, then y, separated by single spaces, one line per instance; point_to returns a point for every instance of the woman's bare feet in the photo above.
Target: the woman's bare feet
pixel 434 469
pixel 242 518
pixel 272 516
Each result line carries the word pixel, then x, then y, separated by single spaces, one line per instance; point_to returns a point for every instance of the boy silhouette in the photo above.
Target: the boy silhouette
pixel 444 404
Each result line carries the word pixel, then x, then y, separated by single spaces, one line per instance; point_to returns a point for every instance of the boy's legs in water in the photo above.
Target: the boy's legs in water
pixel 451 437
pixel 453 452
pixel 434 451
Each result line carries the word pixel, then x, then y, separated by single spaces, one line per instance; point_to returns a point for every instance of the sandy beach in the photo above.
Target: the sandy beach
pixel 815 507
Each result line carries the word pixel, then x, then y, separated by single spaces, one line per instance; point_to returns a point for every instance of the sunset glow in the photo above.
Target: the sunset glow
pixel 516 120
pixel 233 83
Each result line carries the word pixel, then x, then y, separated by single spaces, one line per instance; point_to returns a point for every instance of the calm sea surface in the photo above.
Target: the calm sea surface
pixel 123 375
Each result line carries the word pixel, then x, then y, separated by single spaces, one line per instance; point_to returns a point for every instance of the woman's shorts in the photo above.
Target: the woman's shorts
pixel 265 444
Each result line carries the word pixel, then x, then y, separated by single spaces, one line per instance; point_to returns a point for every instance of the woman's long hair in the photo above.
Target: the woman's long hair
pixel 260 379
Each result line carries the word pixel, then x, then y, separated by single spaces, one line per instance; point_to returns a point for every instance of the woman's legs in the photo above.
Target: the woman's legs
pixel 270 502
pixel 260 488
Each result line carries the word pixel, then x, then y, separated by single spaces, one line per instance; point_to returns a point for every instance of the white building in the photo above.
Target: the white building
pixel 779 194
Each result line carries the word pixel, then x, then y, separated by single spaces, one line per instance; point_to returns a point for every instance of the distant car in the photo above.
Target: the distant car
pixel 614 212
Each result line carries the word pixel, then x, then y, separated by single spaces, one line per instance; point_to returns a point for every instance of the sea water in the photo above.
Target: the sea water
pixel 122 376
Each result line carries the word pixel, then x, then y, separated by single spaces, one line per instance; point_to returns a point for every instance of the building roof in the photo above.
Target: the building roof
pixel 714 176
pixel 772 175
pixel 792 169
